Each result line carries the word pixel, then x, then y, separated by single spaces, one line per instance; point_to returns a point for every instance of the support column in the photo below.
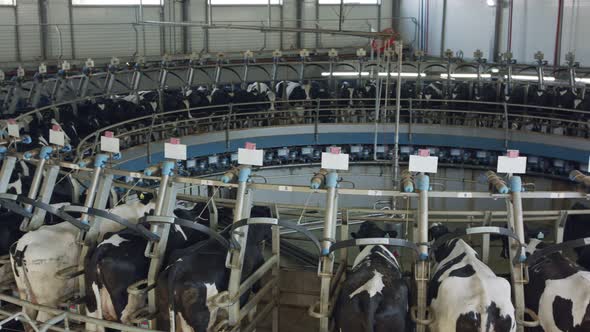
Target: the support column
pixel 327 261
pixel 517 269
pixel 423 186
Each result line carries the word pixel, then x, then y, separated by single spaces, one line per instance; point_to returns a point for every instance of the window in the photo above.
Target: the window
pixel 6 2
pixel 115 2
pixel 245 2
pixel 351 2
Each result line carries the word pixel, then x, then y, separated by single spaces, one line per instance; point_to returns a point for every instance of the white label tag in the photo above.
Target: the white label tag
pixel 464 195
pixel 109 144
pixel 250 157
pixel 423 164
pixel 587 241
pixel 175 151
pixel 285 188
pixel 57 137
pixel 557 195
pixel 511 165
pixel 375 193
pixel 482 229
pixel 335 161
pixel 376 241
pixel 13 130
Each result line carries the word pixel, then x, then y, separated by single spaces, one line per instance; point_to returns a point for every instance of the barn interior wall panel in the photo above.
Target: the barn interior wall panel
pixel 29 31
pixel 59 43
pixel 7 34
pixel 575 28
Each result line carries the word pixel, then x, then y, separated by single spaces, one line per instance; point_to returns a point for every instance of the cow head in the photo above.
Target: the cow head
pixel 436 231
pixel 146 198
pixel 369 229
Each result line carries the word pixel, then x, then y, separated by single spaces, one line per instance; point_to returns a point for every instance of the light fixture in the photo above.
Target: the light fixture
pixel 491 3
pixel 583 80
pixel 403 74
pixel 465 75
pixel 531 78
pixel 495 70
pixel 346 73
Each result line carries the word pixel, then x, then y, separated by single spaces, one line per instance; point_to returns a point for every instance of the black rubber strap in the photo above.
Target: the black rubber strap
pixel 13 206
pixel 541 253
pixel 373 242
pixel 273 221
pixel 203 229
pixel 56 212
pixel 480 231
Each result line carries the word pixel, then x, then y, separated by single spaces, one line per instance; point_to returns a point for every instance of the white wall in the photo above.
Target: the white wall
pixel 104 31
pixel 470 26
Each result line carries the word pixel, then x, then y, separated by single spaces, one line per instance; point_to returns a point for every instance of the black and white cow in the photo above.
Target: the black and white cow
pixel 558 291
pixel 186 286
pixel 577 227
pixel 119 261
pixel 374 296
pixel 464 293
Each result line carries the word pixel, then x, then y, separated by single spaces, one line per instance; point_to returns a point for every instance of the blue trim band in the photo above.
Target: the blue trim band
pixel 100 160
pixel 244 174
pixel 515 184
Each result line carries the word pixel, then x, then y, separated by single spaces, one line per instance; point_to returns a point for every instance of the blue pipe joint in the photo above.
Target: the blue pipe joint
pixel 46 152
pixel 3 149
pixel 225 179
pixel 101 160
pixel 168 168
pixel 409 188
pixel 332 180
pixel 515 184
pixel 244 174
pixel 66 148
pixel 315 185
pixel 325 251
pixel 117 156
pixel 26 139
pixel 423 256
pixel 423 182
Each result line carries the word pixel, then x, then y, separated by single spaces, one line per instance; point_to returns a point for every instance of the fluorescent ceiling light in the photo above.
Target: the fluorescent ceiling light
pixel 346 73
pixel 495 70
pixel 466 75
pixel 491 3
pixel 403 74
pixel 531 78
pixel 245 2
pixel 115 2
pixel 583 80
pixel 352 2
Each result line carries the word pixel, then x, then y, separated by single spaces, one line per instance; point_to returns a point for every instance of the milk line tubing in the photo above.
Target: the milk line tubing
pixel 332 216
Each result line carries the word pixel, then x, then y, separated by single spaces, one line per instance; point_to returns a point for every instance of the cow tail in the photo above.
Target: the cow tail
pixel 91 271
pixel 371 315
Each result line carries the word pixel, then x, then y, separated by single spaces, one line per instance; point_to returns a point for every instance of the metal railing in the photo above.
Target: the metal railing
pixel 224 118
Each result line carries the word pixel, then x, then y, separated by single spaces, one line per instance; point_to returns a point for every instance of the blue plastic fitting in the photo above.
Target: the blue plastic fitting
pixel 82 163
pixel 100 160
pixel 409 188
pixel 515 184
pixel 27 155
pixel 66 148
pixel 244 174
pixel 168 168
pixel 117 156
pixel 3 149
pixel 46 152
pixel 315 185
pixel 325 252
pixel 26 139
pixel 332 180
pixel 225 179
pixel 423 182
pixel 423 256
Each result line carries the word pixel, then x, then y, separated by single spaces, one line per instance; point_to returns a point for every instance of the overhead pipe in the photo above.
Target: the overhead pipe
pixel 558 32
pixel 510 15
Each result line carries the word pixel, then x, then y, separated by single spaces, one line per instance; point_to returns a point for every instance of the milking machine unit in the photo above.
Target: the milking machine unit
pixel 37 88
pixel 111 76
pixel 218 69
pixel 480 61
pixel 276 58
pixel 235 258
pixel 329 180
pixel 419 55
pixel 85 79
pixel 13 97
pixel 422 268
pixel 191 72
pixel 61 83
pixel 136 77
pixel 361 55
pixel 447 86
pixel 540 64
pixel 508 62
pixel 333 55
pixel 248 59
pixel 303 57
pixel 570 57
